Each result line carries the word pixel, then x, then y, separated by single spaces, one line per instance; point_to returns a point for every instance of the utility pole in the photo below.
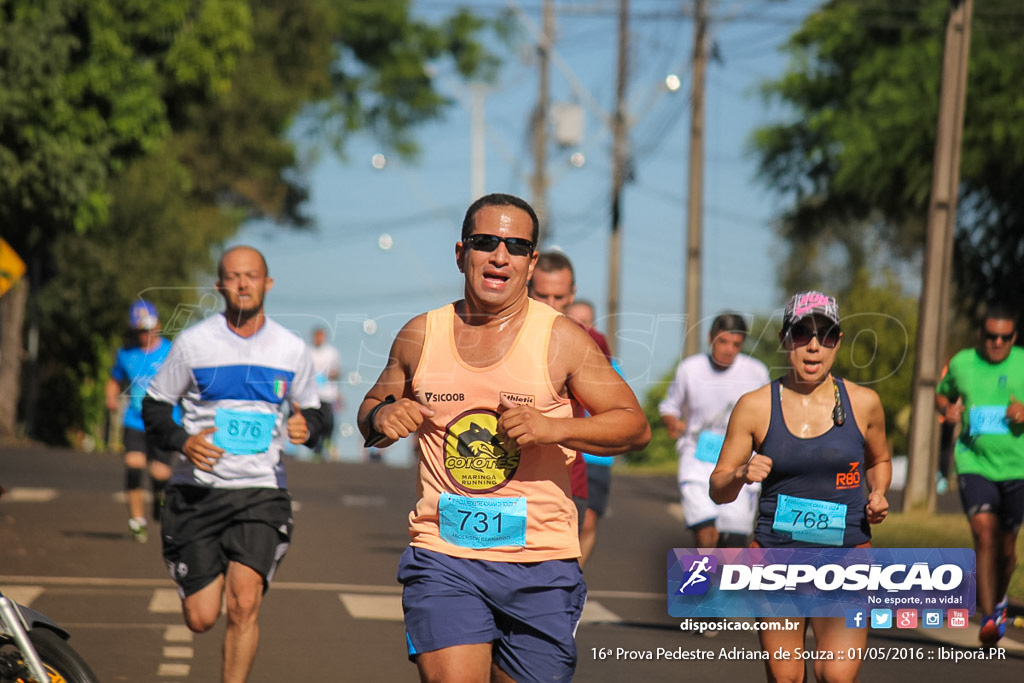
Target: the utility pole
pixel 539 181
pixel 478 166
pixel 620 161
pixel 932 313
pixel 695 199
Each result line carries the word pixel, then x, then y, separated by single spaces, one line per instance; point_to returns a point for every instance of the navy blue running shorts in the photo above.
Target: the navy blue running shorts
pixel 1005 499
pixel 599 481
pixel 529 611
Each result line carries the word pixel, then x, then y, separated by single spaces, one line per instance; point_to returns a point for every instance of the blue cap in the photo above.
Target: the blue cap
pixel 143 315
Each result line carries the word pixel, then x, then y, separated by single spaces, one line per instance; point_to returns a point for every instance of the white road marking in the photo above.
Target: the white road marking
pixel 23 595
pixel 178 634
pixel 389 608
pixel 596 613
pixel 177 652
pixel 28 494
pixel 165 601
pixel 675 510
pixel 386 607
pixel 175 669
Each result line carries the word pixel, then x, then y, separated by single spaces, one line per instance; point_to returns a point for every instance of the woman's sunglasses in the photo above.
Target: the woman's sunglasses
pixel 801 335
pixel 517 246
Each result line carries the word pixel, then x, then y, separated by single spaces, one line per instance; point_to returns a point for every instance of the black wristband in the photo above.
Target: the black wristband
pixel 375 437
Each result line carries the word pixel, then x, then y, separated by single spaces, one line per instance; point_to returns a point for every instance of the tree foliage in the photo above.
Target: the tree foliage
pixel 854 153
pixel 135 136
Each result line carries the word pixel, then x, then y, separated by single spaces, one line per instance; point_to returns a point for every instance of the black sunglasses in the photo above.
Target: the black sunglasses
pixel 801 335
pixel 517 246
pixel 992 336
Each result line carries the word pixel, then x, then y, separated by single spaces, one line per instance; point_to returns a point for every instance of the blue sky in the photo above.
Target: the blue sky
pixel 339 276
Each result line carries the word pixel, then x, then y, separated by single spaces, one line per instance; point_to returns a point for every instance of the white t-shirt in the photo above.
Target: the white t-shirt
pixel 241 385
pixel 704 397
pixel 326 362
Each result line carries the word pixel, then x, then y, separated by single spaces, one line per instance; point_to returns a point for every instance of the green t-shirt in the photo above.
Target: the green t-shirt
pixel 988 445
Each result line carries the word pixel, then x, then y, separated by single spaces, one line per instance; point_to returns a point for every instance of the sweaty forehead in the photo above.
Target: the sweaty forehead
pixel 504 220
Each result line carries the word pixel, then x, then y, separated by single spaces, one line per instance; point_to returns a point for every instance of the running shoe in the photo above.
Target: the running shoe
pixel 1001 608
pixel 992 629
pixel 140 533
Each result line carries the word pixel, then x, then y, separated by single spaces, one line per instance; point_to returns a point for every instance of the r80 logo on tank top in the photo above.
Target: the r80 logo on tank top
pixel 475 458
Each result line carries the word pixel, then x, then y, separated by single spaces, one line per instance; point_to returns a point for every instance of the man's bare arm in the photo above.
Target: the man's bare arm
pixel 616 423
pixel 390 403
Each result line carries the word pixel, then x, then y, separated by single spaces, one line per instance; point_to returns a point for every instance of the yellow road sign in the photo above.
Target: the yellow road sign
pixel 11 267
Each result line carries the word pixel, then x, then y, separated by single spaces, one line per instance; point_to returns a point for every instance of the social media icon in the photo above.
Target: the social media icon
pixel 856 618
pixel 932 618
pixel 958 618
pixel 881 618
pixel 906 618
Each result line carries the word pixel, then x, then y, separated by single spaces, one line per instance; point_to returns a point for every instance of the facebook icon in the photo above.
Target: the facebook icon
pixel 856 618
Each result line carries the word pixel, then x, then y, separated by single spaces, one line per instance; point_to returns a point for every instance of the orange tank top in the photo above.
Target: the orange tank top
pixel 478 498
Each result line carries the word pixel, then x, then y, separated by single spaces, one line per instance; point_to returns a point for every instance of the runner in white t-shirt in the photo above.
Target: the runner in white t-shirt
pixel 696 413
pixel 327 366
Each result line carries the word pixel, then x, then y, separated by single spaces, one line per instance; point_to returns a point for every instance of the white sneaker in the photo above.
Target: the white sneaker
pixel 140 533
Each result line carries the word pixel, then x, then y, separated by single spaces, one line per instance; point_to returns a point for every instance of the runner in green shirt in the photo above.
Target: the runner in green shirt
pixel 983 390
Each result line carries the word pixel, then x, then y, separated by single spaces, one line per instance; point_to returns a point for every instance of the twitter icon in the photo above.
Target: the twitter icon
pixel 881 618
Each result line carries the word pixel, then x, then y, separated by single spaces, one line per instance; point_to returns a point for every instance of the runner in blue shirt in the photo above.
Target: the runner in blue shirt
pixel 134 367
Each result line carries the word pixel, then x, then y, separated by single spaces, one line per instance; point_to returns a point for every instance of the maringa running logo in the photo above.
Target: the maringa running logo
pixel 475 458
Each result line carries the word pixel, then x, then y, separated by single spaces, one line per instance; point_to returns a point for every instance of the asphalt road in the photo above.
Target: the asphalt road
pixel 334 611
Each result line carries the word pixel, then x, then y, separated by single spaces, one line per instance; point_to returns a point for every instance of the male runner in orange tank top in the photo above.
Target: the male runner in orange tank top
pixel 484 383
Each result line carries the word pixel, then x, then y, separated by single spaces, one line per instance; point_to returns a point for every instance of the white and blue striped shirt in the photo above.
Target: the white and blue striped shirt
pixel 224 379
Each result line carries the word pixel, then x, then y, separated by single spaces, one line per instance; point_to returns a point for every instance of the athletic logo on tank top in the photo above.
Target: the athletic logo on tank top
pixel 518 399
pixel 849 480
pixel 475 458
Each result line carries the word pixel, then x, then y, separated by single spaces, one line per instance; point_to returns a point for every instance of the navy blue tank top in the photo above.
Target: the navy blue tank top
pixel 828 468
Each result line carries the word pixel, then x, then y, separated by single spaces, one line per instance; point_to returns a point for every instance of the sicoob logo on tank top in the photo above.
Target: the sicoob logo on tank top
pixel 475 459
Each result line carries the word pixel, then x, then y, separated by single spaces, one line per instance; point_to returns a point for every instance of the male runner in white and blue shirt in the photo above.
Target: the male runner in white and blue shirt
pixel 227 519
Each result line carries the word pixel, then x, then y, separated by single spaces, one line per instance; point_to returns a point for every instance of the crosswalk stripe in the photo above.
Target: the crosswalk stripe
pixel 596 613
pixel 165 601
pixel 178 634
pixel 173 669
pixel 23 595
pixel 29 494
pixel 387 607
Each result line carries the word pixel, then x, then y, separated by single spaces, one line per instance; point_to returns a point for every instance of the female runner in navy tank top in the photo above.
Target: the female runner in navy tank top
pixel 816 440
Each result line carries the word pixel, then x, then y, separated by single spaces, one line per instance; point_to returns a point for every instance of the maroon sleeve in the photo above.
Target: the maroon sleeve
pixel 602 343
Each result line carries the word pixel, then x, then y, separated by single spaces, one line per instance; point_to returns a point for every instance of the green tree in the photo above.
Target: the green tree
pixel 879 323
pixel 854 152
pixel 197 115
pixel 81 84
